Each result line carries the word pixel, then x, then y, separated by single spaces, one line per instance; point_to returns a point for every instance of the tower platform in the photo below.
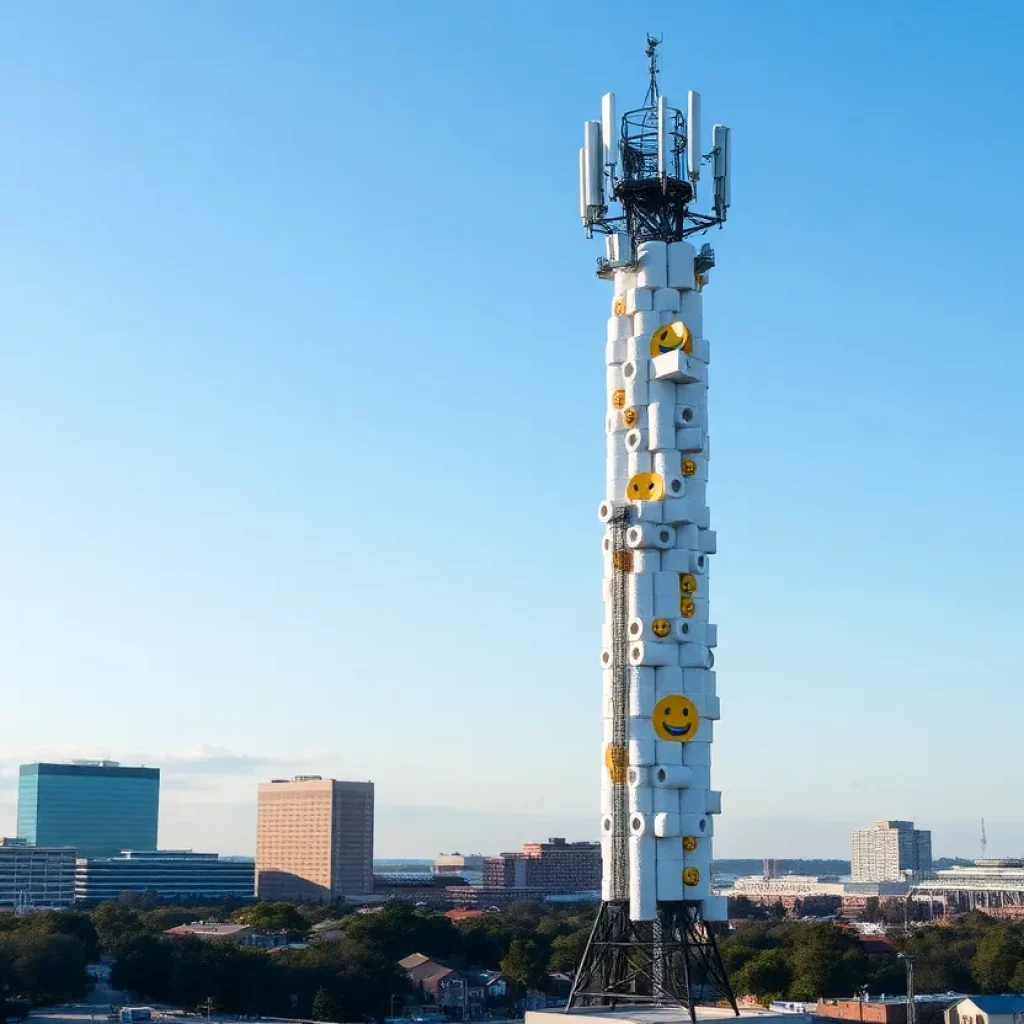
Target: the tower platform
pixel 657 1015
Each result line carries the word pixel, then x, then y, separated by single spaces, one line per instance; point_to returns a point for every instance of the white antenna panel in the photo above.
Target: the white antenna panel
pixel 583 187
pixel 662 137
pixel 693 135
pixel 593 157
pixel 609 130
pixel 722 143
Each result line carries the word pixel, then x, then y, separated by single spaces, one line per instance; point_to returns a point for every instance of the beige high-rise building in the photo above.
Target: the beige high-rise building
pixel 314 839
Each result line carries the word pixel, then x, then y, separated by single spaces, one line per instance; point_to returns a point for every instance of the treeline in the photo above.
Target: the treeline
pixel 43 959
pixel 808 960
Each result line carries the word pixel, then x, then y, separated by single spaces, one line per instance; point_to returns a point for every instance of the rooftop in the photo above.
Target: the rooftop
pixel 653 1015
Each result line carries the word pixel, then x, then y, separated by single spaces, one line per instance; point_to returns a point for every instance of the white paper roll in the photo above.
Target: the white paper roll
pixel 697 751
pixel 606 510
pixel 638 824
pixel 691 312
pixel 641 801
pixel 666 606
pixel 638 776
pixel 701 860
pixel 643 874
pixel 641 692
pixel 623 280
pixel 645 324
pixel 665 801
pixel 669 851
pixel 640 595
pixel 667 582
pixel 666 752
pixel 690 417
pixel 641 745
pixel 692 824
pixel 615 351
pixel 606 657
pixel 661 430
pixel 713 805
pixel 619 328
pixel 670 881
pixel 671 776
pixel 652 258
pixel 667 681
pixel 666 824
pixel 607 797
pixel 655 654
pixel 700 348
pixel 638 462
pixel 662 392
pixel 680 265
pixel 689 439
pixel 666 299
pixel 638 300
pixel 708 542
pixel 614 380
pixel 651 535
pixel 714 907
pixel 683 511
pixel 636 440
pixel 694 656
pixel 636 388
pixel 606 868
pixel 695 681
pixel 690 631
pixel 647 559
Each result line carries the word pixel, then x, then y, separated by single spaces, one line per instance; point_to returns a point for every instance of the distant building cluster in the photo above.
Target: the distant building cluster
pixel 891 851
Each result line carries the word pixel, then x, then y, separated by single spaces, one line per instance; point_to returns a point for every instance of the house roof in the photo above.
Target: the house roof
pixel 413 960
pixel 998 1004
pixel 204 930
pixel 463 915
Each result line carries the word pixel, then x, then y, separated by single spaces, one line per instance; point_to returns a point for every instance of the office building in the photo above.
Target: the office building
pixel 35 876
pixel 314 839
pixel 98 807
pixel 891 851
pixel 167 874
pixel 470 868
pixel 555 865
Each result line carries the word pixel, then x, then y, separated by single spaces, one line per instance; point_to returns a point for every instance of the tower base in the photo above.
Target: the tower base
pixel 672 961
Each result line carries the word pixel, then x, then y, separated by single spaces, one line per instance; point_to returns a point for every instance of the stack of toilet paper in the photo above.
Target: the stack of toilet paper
pixel 658 453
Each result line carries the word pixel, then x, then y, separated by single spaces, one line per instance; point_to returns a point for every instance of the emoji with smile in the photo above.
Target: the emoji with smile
pixel 675 335
pixel 619 398
pixel 645 487
pixel 691 876
pixel 629 416
pixel 661 627
pixel 675 718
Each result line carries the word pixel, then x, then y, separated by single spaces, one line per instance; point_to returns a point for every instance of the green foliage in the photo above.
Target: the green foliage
pixel 273 917
pixel 41 966
pixel 325 1006
pixel 567 950
pixel 524 964
pixel 998 958
pixel 398 929
pixel 767 975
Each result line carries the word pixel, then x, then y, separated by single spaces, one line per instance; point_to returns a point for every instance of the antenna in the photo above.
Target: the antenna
pixel 984 840
pixel 662 138
pixel 609 132
pixel 583 187
pixel 593 155
pixel 693 135
pixel 722 156
pixel 652 66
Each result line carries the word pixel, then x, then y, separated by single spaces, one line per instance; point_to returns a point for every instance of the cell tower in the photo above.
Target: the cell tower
pixel 654 938
pixel 984 841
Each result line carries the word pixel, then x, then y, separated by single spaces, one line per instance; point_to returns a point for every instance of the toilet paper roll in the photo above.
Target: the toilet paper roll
pixel 643 653
pixel 661 430
pixel 646 559
pixel 680 265
pixel 644 325
pixel 623 280
pixel 683 511
pixel 652 258
pixel 667 824
pixel 606 657
pixel 682 560
pixel 640 595
pixel 619 328
pixel 690 440
pixel 607 892
pixel 667 681
pixel 694 656
pixel 633 417
pixel 666 606
pixel 607 683
pixel 661 391
pixel 665 801
pixel 641 801
pixel 678 367
pixel 670 881
pixel 711 707
pixel 607 797
pixel 692 823
pixel 690 416
pixel 691 312
pixel 668 753
pixel 607 825
pixel 614 426
pixel 669 850
pixel 686 537
pixel 694 393
pixel 615 351
pixel 714 907
pixel 696 681
pixel 639 824
pixel 667 583
pixel 638 776
pixel 697 752
pixel 675 484
pixel 713 803
pixel 701 778
pixel 643 877
pixel 636 388
pixel 614 377
pixel 665 299
pixel 638 462
pixel 636 440
pixel 651 535
pixel 708 542
pixel 641 746
pixel 641 692
pixel 643 629
pixel 605 511
pixel 638 300
pixel 700 348
pixel 671 776
pixel 647 511
pixel 690 631
pixel 608 736
pixel 700 859
pixel 606 639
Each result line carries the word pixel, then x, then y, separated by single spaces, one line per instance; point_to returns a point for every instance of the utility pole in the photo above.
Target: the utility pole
pixel 908 961
pixel 209 1007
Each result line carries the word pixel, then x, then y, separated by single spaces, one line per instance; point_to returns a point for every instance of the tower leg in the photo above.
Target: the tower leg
pixel 673 961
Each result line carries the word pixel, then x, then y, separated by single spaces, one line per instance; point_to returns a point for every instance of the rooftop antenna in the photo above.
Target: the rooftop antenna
pixel 651 99
pixel 984 840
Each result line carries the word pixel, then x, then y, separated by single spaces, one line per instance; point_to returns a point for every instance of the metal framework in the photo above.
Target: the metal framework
pixel 672 961
pixel 621 564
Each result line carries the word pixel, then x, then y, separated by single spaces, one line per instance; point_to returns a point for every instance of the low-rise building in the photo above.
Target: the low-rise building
pixel 986 1010
pixel 436 986
pixel 215 931
pixel 168 874
pixel 555 865
pixel 36 876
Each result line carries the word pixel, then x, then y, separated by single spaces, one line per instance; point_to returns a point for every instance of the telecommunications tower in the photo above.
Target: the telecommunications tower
pixel 654 938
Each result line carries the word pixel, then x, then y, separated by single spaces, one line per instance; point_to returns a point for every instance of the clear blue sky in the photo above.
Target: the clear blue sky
pixel 301 405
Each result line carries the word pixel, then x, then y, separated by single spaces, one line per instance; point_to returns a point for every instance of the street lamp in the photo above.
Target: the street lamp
pixel 908 960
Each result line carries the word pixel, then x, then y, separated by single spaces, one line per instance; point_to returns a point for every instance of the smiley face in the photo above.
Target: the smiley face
pixel 689 843
pixel 687 583
pixel 615 761
pixel 691 876
pixel 689 467
pixel 661 627
pixel 619 398
pixel 687 607
pixel 619 305
pixel 675 718
pixel 629 416
pixel 675 335
pixel 645 487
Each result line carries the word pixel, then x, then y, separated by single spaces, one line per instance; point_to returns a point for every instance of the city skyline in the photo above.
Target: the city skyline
pixel 217 326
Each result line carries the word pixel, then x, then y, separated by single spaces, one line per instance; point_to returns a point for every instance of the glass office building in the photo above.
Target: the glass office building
pixel 167 874
pixel 98 807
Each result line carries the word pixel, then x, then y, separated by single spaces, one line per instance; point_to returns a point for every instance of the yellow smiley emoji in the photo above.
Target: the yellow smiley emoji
pixel 687 583
pixel 675 718
pixel 615 762
pixel 673 336
pixel 689 467
pixel 619 398
pixel 619 305
pixel 687 607
pixel 691 876
pixel 689 843
pixel 661 627
pixel 645 487
pixel 629 416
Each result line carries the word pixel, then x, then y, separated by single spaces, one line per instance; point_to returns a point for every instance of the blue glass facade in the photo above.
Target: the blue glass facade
pixel 99 809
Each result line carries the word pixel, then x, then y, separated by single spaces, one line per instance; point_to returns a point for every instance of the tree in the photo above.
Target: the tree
pixel 567 951
pixel 325 1006
pixel 826 962
pixel 872 910
pixel 117 927
pixel 767 976
pixel 999 952
pixel 524 964
pixel 273 917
